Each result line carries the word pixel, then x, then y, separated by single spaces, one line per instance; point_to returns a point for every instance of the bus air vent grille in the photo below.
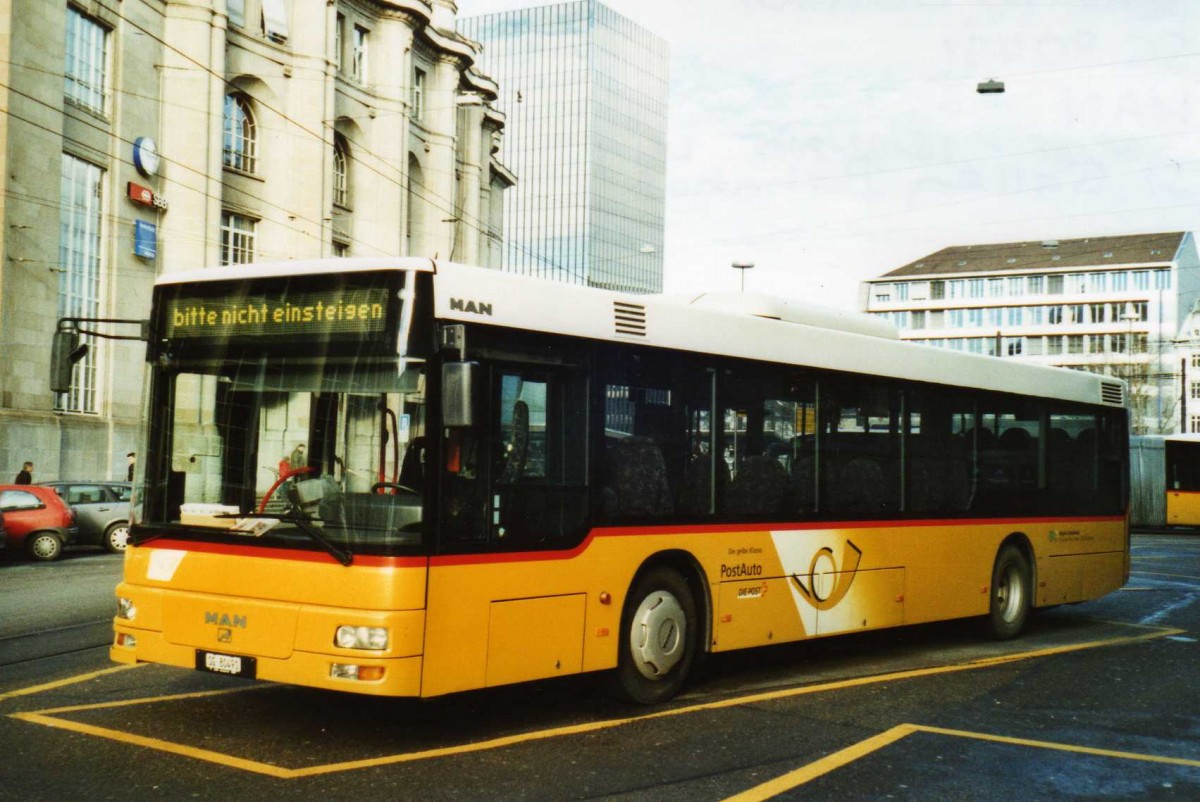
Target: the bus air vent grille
pixel 630 318
pixel 1111 393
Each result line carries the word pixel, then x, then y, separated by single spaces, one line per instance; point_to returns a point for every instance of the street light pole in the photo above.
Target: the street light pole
pixel 1129 316
pixel 742 267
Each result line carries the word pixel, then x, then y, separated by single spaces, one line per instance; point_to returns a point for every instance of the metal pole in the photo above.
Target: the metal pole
pixel 742 267
pixel 1183 395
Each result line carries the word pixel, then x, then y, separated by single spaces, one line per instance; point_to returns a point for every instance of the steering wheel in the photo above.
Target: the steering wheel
pixel 375 488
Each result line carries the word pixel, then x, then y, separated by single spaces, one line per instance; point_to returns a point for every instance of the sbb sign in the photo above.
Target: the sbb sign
pixel 145 196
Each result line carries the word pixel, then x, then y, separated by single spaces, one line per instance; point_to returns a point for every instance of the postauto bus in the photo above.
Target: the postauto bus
pixel 409 477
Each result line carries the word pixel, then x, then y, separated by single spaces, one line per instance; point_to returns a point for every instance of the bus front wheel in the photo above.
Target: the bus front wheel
pixel 659 637
pixel 1012 593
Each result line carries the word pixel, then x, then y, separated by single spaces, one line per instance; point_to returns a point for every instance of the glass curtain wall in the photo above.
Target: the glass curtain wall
pixel 584 92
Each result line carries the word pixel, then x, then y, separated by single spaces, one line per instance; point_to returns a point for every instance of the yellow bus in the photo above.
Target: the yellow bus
pixel 1164 480
pixel 411 478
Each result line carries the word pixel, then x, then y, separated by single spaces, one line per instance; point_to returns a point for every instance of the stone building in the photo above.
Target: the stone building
pixel 149 136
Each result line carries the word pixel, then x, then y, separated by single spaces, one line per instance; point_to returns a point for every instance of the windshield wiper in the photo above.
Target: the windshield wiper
pixel 344 556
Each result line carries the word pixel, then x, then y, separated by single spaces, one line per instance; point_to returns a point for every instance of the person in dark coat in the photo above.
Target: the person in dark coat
pixel 25 477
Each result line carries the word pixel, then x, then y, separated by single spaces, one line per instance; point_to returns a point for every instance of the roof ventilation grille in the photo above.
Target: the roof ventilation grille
pixel 630 318
pixel 1112 393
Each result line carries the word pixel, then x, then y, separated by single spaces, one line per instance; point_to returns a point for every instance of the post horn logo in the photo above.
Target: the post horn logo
pixel 814 585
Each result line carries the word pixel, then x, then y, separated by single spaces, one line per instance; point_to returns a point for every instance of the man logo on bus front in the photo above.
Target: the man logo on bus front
pixel 814 585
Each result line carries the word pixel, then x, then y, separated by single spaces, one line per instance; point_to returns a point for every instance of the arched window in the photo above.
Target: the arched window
pixel 241 137
pixel 341 171
pixel 415 218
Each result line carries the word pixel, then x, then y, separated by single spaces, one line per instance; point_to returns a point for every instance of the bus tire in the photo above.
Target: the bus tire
pixel 659 637
pixel 1011 594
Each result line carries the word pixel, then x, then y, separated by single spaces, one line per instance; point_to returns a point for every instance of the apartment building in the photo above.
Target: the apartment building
pixel 1119 305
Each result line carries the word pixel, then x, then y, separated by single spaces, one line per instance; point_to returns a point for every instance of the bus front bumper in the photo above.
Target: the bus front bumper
pixel 380 676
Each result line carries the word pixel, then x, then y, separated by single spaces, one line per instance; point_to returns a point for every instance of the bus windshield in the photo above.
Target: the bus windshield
pixel 287 412
pixel 271 447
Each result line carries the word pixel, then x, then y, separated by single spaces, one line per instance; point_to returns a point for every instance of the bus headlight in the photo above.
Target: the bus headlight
pixel 350 637
pixel 354 672
pixel 126 608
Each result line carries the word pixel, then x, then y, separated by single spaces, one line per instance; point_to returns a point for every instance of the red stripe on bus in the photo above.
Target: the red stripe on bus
pixel 611 531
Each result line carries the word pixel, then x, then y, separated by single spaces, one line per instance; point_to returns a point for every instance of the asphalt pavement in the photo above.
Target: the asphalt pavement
pixel 1096 701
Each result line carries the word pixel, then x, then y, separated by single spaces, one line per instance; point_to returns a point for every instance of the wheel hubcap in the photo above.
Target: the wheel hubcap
pixel 1010 594
pixel 45 547
pixel 658 634
pixel 119 537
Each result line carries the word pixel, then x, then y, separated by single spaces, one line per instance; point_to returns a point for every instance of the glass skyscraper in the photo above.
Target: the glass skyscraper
pixel 584 91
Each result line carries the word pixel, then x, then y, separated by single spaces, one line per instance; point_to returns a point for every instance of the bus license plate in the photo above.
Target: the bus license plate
pixel 229 664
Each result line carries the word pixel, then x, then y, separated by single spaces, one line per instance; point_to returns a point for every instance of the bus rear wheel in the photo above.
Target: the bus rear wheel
pixel 659 637
pixel 1012 593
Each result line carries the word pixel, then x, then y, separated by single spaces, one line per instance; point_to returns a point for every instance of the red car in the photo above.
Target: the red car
pixel 37 519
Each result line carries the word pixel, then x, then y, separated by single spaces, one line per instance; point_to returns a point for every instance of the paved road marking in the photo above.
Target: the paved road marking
pixel 64 682
pixel 794 779
pixel 47 717
pixel 145 700
pixel 818 768
pixel 1164 573
pixel 130 738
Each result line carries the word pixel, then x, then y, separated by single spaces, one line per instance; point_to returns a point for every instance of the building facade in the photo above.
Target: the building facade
pixel 584 92
pixel 1121 306
pixel 153 135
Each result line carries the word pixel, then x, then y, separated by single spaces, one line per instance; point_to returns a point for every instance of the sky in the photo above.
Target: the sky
pixel 830 142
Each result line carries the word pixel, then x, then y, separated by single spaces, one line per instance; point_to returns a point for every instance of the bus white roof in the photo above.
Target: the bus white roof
pixel 750 326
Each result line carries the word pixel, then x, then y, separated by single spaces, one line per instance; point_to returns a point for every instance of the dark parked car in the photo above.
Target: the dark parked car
pixel 103 510
pixel 38 520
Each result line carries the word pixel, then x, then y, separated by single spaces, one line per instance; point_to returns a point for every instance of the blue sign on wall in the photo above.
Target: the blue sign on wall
pixel 145 239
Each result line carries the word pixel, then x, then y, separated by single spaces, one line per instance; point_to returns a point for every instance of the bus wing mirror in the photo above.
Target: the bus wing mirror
pixel 458 393
pixel 65 351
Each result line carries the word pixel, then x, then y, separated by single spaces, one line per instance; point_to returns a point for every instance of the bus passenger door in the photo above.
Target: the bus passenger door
pixel 502 606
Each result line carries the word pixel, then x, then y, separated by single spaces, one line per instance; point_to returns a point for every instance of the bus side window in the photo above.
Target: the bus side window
pixel 642 433
pixel 539 452
pixel 938 455
pixel 768 448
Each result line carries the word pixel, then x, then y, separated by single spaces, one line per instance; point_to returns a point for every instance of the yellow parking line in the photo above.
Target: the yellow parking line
pixel 49 686
pixel 1082 750
pixel 986 662
pixel 800 776
pixel 43 717
pixel 145 700
pixel 804 774
pixel 155 743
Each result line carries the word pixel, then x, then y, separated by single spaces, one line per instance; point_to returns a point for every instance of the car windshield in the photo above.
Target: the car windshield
pixel 295 451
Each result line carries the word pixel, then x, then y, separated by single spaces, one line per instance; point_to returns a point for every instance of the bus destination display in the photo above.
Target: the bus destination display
pixel 354 311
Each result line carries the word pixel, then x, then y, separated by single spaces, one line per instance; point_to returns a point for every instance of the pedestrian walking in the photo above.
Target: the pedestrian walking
pixel 25 477
pixel 298 459
pixel 132 457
